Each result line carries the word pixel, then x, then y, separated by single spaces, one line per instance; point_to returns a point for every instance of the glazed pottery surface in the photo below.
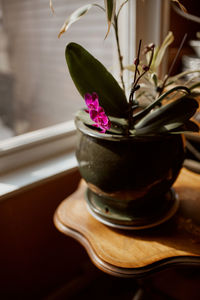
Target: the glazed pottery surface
pixel 128 174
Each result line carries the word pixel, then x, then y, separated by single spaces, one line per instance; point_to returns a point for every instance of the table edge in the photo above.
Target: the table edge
pixel 121 271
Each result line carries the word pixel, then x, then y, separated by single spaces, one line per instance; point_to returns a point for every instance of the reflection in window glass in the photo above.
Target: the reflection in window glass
pixel 36 90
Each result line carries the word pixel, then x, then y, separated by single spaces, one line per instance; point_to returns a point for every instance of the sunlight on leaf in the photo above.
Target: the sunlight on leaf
pixel 75 16
pixel 130 68
pixel 89 76
pixel 159 54
pixel 110 6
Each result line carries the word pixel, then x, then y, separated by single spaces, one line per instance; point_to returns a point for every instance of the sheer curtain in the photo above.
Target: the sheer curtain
pixel 43 92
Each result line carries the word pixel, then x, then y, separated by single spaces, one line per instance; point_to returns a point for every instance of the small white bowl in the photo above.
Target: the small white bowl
pixel 195 44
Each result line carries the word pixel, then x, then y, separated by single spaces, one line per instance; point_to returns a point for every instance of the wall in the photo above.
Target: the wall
pixel 34 257
pixel 179 26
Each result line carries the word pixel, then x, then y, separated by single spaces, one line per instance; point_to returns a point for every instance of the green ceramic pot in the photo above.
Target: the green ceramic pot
pixel 128 178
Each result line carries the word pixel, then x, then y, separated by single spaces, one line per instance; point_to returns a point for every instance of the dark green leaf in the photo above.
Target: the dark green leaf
pixel 89 75
pixel 144 112
pixel 180 127
pixel 175 128
pixel 177 111
pixel 188 126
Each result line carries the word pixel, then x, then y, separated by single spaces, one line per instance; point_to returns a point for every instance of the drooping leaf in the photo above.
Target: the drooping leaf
pixel 155 128
pixel 145 111
pixel 178 111
pixel 187 126
pixel 75 16
pixel 89 76
pixel 180 75
pixel 172 128
pixel 110 7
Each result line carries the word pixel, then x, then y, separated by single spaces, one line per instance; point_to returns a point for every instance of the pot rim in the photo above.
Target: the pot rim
pixel 112 137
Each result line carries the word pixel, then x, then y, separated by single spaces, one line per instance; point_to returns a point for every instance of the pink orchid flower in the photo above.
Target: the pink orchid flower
pixel 92 101
pixel 97 113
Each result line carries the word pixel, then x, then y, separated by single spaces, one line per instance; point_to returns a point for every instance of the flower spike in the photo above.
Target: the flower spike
pixel 96 112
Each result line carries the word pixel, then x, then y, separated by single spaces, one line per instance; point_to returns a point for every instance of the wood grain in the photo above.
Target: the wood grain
pixel 130 252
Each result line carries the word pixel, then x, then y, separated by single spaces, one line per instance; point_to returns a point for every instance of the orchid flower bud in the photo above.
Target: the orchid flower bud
pixel 145 68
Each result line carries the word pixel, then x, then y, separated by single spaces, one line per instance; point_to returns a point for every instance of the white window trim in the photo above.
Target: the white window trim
pixel 36 157
pixel 46 149
pixel 35 146
pixel 146 19
pixel 36 173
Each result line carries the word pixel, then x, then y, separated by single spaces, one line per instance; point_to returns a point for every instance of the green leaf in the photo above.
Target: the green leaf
pixel 144 112
pixel 75 16
pixel 180 75
pixel 118 125
pixel 158 56
pixel 89 75
pixel 175 128
pixel 84 117
pixel 154 78
pixel 177 111
pixel 188 126
pixel 171 126
pixel 110 6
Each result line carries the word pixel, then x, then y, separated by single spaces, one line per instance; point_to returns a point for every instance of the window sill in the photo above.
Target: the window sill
pixel 26 177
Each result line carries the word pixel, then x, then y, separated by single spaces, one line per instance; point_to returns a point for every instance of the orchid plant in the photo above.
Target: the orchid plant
pixel 154 105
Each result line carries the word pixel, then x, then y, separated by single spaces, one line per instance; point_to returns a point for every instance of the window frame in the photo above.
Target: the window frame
pixel 34 146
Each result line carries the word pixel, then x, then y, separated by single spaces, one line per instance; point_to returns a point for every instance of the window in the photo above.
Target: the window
pixel 38 91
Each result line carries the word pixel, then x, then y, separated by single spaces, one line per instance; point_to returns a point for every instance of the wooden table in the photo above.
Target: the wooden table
pixel 137 253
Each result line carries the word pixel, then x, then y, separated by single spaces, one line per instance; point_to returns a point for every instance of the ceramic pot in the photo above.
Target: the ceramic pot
pixel 128 178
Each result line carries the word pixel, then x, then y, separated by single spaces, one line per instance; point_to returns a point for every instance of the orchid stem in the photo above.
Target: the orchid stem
pixel 120 57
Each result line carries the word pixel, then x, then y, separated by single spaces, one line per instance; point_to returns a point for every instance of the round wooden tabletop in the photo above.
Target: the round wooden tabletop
pixel 136 253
